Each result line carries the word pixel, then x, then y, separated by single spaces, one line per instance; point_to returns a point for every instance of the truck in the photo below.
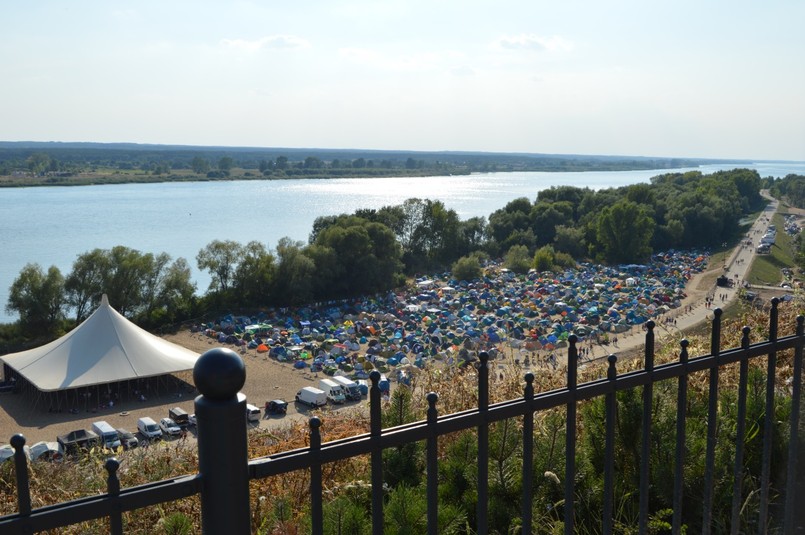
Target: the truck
pixel 333 390
pixel 78 439
pixel 351 389
pixel 107 433
pixel 312 397
pixel 180 416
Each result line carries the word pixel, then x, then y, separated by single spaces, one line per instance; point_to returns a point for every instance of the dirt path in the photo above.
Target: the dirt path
pixel 694 310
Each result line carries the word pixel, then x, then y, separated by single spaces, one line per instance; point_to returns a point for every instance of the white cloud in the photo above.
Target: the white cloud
pixel 408 62
pixel 533 42
pixel 271 41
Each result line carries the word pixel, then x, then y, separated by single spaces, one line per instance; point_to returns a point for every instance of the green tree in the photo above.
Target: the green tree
pixel 402 465
pixel 467 268
pixel 200 165
pixel 38 298
pixel 546 216
pixel 220 258
pixel 570 240
pixel 225 164
pixel 296 273
pixel 176 290
pixel 624 232
pixel 344 515
pixel 355 256
pixel 255 274
pixel 543 259
pixel 84 285
pixel 123 282
pixel 311 162
pixel 38 163
pixel 517 259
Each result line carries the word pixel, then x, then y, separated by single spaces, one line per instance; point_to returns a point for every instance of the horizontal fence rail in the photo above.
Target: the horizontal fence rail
pixel 223 482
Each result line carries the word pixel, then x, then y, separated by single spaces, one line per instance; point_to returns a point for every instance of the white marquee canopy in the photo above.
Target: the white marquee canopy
pixel 105 348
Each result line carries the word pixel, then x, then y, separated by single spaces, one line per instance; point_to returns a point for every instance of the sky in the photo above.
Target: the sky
pixel 713 79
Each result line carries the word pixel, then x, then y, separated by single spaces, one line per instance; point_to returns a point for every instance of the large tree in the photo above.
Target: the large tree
pixel 38 298
pixel 624 232
pixel 295 274
pixel 84 285
pixel 220 258
pixel 254 275
pixel 125 280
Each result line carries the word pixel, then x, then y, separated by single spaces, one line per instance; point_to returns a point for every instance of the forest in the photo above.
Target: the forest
pixel 373 251
pixel 29 164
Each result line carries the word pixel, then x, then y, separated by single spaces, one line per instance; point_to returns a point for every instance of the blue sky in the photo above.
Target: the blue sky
pixel 712 79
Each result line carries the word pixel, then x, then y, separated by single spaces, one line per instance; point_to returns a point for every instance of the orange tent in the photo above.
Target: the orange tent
pixel 262 348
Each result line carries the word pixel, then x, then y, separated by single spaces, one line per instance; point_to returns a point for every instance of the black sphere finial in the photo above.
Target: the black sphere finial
pixel 219 374
pixel 17 441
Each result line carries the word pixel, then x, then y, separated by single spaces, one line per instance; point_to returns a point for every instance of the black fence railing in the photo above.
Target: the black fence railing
pixel 225 471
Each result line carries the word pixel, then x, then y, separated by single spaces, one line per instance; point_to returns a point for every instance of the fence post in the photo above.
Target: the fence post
pixel 223 460
pixel 21 471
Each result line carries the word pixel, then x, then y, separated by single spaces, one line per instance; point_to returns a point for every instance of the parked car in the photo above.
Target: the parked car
pixel 46 451
pixel 191 420
pixel 149 428
pixel 7 452
pixel 169 427
pixel 127 439
pixel 78 439
pixel 276 406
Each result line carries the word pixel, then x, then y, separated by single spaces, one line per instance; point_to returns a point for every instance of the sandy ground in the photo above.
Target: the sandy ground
pixel 266 379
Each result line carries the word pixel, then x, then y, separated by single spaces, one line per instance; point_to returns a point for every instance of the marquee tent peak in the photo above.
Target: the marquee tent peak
pixel 105 348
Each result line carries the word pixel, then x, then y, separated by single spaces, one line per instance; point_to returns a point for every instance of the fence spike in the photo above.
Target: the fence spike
pixel 113 489
pixel 21 469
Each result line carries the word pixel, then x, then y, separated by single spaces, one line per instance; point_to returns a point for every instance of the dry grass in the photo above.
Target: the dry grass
pixel 279 504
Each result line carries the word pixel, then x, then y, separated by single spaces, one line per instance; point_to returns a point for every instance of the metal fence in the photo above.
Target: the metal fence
pixel 225 471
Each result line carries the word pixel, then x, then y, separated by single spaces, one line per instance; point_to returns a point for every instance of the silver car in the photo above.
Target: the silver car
pixel 169 427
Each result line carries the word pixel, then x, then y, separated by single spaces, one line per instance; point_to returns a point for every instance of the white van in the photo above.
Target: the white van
pixel 333 390
pixel 312 397
pixel 107 433
pixel 351 389
pixel 148 428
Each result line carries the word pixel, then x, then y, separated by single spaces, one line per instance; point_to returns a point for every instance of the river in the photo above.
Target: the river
pixel 53 225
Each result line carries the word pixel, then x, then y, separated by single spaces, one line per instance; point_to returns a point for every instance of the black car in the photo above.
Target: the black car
pixel 127 439
pixel 276 406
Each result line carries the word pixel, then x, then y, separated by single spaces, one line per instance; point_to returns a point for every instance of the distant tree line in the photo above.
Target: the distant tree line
pixel 171 162
pixel 790 189
pixel 372 251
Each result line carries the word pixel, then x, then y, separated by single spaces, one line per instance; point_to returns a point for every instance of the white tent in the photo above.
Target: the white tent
pixel 105 348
